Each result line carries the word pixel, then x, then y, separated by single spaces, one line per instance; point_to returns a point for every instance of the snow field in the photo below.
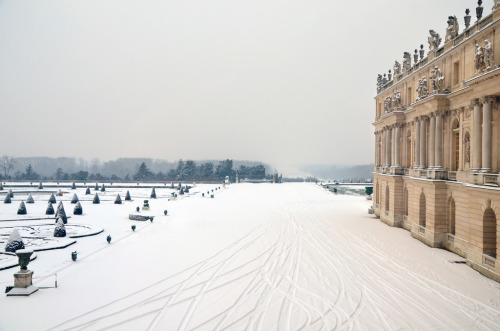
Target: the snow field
pixel 257 257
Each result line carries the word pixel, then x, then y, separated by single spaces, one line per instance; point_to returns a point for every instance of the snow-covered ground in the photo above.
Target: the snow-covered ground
pixel 257 257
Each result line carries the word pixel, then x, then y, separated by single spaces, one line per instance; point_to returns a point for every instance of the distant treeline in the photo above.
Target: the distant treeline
pixel 127 169
pixel 358 173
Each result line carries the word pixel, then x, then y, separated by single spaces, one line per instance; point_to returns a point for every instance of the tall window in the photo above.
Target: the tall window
pixel 408 94
pixel 456 145
pixel 489 233
pixel 422 221
pixel 456 72
pixel 451 216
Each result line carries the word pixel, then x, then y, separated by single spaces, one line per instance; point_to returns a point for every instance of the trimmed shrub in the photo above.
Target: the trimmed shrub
pixel 165 212
pixel 40 186
pixel 7 199
pixel 30 199
pixel 22 209
pixel 1 186
pixel 59 193
pixel 60 230
pixel 11 194
pixel 118 200
pixel 181 192
pixel 73 187
pixel 127 196
pixel 96 187
pixel 103 188
pixel 153 194
pixel 50 209
pixel 15 242
pixel 96 199
pixel 87 192
pixel 75 198
pixel 61 213
pixel 78 209
pixel 52 198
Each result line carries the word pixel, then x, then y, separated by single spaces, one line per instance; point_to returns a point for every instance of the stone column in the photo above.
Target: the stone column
pixel 487 140
pixel 416 152
pixel 438 139
pixel 397 162
pixel 390 145
pixel 386 147
pixel 393 145
pixel 476 137
pixel 432 135
pixel 423 147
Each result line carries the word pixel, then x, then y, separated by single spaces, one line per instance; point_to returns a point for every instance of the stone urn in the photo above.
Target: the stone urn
pixel 24 258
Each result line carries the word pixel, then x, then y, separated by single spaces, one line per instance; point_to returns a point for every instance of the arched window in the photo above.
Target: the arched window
pixel 387 198
pixel 422 211
pixel 489 233
pixel 451 216
pixel 455 165
pixel 378 194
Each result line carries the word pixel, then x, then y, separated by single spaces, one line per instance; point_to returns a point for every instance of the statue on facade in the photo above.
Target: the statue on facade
pixel 452 29
pixel 437 80
pixel 479 59
pixel 396 101
pixel 467 148
pixel 406 62
pixel 489 60
pixel 422 89
pixel 434 40
pixel 379 82
pixel 387 105
pixel 397 69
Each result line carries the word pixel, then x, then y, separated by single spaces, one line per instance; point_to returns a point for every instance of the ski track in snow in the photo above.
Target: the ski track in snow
pixel 296 272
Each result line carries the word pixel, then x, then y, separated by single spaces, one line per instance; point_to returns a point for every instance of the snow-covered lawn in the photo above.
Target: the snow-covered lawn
pixel 257 256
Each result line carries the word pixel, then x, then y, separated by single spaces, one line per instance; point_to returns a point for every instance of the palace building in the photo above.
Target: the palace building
pixel 437 141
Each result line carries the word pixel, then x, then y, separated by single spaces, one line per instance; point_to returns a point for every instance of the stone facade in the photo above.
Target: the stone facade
pixel 437 150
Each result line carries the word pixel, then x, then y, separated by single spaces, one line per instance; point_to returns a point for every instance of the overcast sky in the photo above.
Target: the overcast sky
pixel 278 81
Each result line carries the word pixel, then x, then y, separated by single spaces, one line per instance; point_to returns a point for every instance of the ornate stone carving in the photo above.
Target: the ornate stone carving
pixel 484 59
pixel 434 40
pixel 387 104
pixel 467 148
pixel 406 61
pixel 489 60
pixel 397 99
pixel 496 4
pixel 487 99
pixel 397 69
pixel 452 29
pixel 437 80
pixel 422 88
pixel 479 59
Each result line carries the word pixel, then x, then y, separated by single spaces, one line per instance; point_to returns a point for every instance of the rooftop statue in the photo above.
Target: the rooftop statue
pixel 397 69
pixel 406 61
pixel 434 40
pixel 452 29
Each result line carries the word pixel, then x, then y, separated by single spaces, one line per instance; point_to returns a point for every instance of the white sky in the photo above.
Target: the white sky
pixel 278 81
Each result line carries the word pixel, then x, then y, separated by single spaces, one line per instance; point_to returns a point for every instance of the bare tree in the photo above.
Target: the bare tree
pixel 6 164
